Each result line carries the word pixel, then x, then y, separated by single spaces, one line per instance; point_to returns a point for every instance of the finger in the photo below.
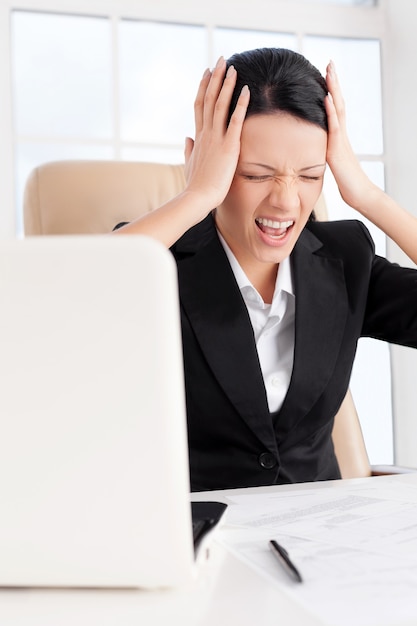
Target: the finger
pixel 188 148
pixel 222 106
pixel 199 101
pixel 213 90
pixel 239 114
pixel 332 118
pixel 335 91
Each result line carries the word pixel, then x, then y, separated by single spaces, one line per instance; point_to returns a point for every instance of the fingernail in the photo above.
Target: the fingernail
pixel 230 71
pixel 220 62
pixel 245 90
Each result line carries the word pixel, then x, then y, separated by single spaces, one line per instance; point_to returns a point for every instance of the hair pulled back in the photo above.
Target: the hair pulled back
pixel 280 80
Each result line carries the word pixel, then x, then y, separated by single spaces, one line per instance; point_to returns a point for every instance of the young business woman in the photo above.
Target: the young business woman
pixel 273 302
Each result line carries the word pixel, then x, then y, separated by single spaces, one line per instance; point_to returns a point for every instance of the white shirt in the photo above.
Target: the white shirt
pixel 273 327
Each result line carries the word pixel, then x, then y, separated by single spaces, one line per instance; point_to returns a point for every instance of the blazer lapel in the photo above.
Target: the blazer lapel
pixel 321 310
pixel 224 331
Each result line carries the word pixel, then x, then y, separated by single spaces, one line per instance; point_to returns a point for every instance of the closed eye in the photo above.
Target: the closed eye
pixel 310 178
pixel 256 178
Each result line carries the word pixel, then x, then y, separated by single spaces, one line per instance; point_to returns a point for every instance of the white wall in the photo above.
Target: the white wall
pixel 7 221
pixel 399 55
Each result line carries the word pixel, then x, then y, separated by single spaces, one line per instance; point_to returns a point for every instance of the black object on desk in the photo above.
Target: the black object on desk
pixel 205 517
pixel 283 557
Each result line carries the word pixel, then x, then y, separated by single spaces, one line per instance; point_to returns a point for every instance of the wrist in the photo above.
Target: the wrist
pixel 197 203
pixel 370 200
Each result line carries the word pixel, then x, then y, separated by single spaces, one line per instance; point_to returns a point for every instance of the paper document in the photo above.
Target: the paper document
pixel 355 544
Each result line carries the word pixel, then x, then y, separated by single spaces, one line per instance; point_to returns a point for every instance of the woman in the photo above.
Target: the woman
pixel 272 302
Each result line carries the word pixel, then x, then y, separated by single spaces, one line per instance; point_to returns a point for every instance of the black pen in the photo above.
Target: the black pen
pixel 284 558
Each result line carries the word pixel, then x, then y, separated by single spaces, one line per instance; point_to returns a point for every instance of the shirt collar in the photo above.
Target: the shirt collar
pixel 283 282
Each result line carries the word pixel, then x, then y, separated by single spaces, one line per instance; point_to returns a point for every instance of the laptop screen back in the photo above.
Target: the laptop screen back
pixel 94 480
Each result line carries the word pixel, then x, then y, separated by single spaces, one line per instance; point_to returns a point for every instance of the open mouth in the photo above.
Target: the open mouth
pixel 273 228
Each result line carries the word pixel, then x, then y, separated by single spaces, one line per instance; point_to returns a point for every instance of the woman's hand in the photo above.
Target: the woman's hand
pixel 211 159
pixel 355 187
pixel 353 183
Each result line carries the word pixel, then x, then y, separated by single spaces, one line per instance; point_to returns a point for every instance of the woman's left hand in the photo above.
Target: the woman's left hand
pixel 354 185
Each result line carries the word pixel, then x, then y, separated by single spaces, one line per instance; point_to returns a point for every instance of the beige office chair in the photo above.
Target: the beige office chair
pixel 76 197
pixel 80 197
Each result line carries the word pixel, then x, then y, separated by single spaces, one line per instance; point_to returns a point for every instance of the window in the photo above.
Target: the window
pixel 158 78
pixel 62 91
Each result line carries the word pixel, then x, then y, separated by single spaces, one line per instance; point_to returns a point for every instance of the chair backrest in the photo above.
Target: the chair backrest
pixel 80 197
pixel 75 197
pixel 348 441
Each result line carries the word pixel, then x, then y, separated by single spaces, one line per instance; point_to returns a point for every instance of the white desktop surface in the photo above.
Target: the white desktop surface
pixel 226 592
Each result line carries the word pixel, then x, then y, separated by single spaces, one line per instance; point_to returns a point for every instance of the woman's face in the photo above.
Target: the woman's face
pixel 277 183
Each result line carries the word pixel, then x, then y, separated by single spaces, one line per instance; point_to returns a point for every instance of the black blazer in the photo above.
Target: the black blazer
pixel 343 291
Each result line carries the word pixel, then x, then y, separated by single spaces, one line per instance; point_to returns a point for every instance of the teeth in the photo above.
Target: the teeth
pixel 273 223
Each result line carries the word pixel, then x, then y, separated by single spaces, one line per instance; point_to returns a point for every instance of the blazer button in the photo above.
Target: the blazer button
pixel 267 460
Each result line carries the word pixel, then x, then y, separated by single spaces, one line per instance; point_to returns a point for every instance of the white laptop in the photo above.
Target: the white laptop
pixel 94 477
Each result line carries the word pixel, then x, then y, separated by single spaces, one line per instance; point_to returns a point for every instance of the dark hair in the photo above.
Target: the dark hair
pixel 280 80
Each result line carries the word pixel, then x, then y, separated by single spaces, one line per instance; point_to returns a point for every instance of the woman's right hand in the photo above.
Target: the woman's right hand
pixel 211 159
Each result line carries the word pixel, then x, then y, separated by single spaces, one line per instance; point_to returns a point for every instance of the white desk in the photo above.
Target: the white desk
pixel 226 592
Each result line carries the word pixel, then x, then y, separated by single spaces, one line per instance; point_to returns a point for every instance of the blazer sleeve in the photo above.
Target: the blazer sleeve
pixel 391 309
